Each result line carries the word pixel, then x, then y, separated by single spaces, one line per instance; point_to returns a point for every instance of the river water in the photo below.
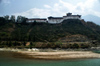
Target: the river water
pixel 7 59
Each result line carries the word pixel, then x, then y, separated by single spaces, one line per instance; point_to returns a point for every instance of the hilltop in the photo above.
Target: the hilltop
pixel 71 31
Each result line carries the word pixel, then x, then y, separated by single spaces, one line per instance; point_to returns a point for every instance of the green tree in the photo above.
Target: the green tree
pixel 31 44
pixel 15 43
pixel 10 44
pixel 21 19
pixel 75 46
pixel 7 43
pixel 12 18
pixel 24 43
pixel 6 17
pixel 59 44
pixel 2 21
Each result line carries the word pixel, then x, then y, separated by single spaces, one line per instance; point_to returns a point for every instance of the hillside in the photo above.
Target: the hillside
pixel 45 32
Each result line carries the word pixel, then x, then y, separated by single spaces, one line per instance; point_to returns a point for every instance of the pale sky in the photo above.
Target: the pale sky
pixel 45 8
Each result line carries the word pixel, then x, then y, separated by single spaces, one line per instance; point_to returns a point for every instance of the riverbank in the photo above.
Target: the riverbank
pixel 61 55
pixel 56 55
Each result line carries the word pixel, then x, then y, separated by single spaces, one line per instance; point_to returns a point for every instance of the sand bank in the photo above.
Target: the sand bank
pixel 53 55
pixel 60 55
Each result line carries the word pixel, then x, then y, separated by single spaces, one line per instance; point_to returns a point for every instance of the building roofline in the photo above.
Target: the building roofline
pixel 55 17
pixel 37 19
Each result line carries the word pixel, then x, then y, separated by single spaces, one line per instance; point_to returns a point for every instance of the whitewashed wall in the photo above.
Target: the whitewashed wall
pixel 64 18
pixel 41 20
pixel 71 17
pixel 55 20
pixel 36 20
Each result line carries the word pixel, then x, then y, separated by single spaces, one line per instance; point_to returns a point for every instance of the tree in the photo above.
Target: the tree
pixel 84 46
pixel 59 44
pixel 75 45
pixel 30 46
pixel 15 44
pixel 7 43
pixel 2 21
pixel 6 17
pixel 12 18
pixel 24 43
pixel 29 38
pixel 34 23
pixel 18 19
pixel 24 20
pixel 21 19
pixel 10 44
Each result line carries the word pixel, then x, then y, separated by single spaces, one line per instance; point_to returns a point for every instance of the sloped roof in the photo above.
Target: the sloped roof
pixel 38 19
pixel 55 17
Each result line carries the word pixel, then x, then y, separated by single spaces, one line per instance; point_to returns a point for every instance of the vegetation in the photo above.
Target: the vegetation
pixel 16 33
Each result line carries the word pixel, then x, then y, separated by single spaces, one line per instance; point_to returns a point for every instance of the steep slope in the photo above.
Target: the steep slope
pixel 45 32
pixel 77 27
pixel 94 26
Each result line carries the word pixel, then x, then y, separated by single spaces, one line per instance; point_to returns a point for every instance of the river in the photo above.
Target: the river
pixel 7 59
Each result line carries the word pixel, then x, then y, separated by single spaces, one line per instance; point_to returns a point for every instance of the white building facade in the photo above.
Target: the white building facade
pixel 60 19
pixel 71 17
pixel 36 20
pixel 55 19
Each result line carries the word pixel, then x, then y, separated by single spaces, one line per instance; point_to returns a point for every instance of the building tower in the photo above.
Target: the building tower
pixel 69 14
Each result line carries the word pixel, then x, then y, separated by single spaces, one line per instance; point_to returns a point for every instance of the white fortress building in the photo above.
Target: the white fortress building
pixel 54 20
pixel 36 19
pixel 61 19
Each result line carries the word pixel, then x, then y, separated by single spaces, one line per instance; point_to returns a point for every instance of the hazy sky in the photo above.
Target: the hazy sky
pixel 45 8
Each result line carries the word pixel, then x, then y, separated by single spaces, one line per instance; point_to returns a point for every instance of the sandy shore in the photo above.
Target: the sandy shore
pixel 60 55
pixel 53 55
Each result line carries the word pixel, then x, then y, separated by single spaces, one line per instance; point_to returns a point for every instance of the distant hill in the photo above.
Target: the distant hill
pixel 92 18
